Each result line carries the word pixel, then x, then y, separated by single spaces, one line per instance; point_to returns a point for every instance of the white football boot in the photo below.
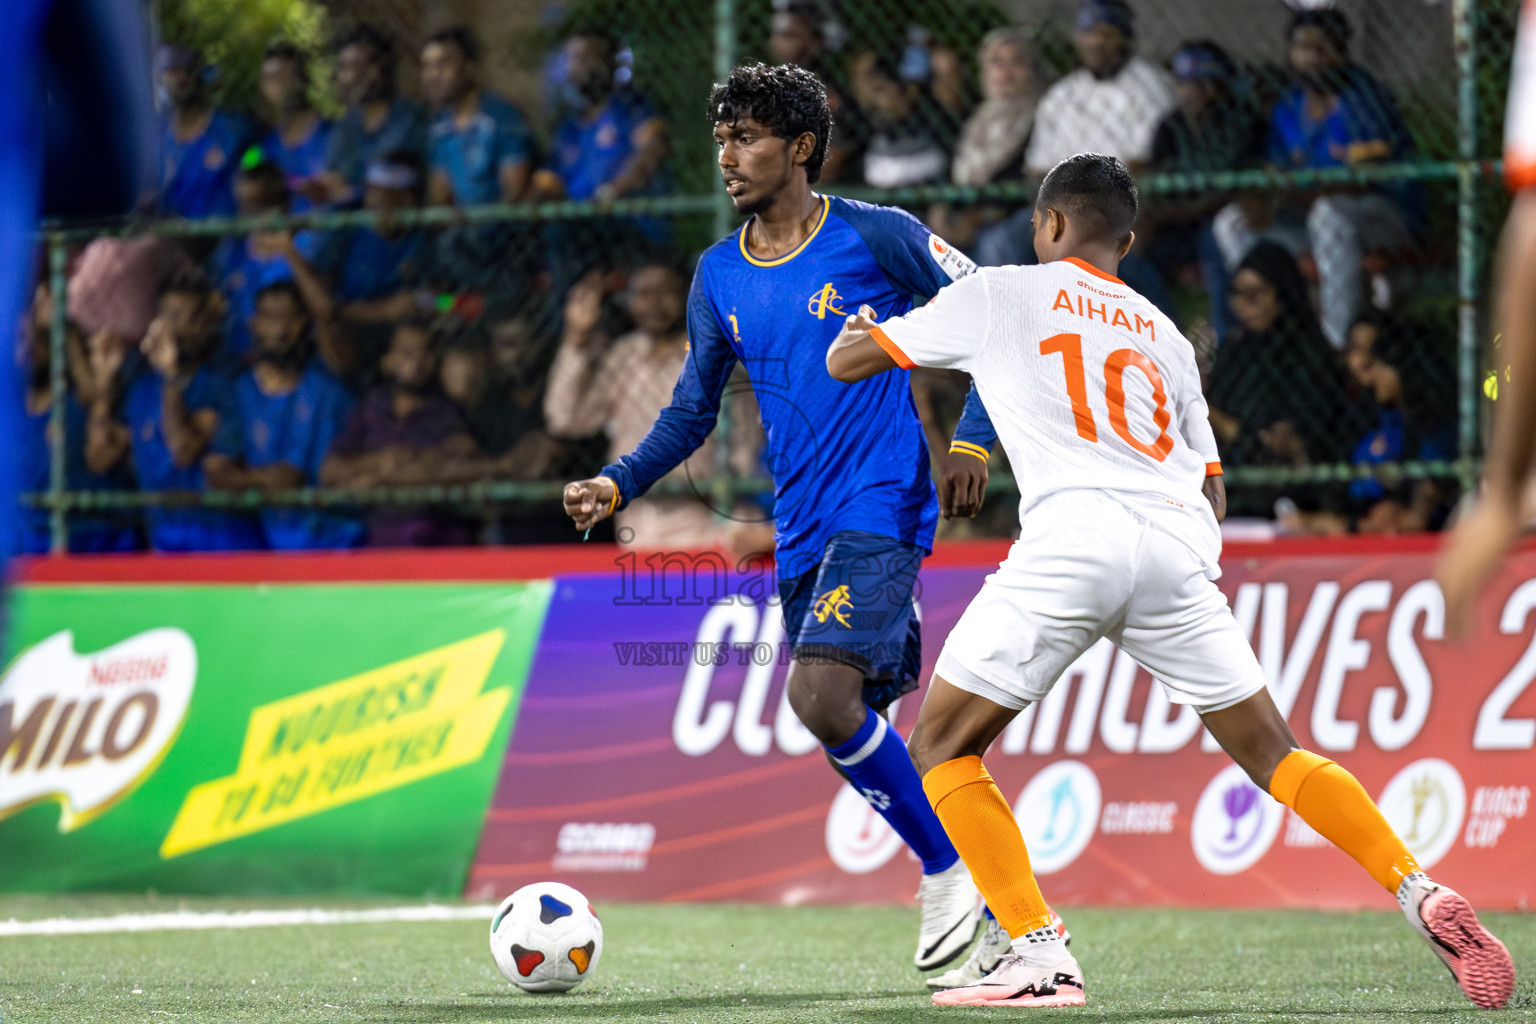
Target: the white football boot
pixel 951 912
pixel 984 958
pixel 1479 962
pixel 1020 981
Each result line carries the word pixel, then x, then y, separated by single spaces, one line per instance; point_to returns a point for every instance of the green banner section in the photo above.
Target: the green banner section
pixel 257 739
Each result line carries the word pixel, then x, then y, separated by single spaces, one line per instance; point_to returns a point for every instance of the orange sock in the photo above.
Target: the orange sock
pixel 1334 803
pixel 981 825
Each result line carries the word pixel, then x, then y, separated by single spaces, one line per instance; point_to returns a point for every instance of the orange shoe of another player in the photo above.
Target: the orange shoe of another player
pixel 1016 982
pixel 1479 962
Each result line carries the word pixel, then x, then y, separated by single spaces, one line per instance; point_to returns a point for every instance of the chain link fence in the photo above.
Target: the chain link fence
pixel 495 296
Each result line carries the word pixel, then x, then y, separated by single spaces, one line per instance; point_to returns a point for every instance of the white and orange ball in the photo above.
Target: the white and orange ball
pixel 546 937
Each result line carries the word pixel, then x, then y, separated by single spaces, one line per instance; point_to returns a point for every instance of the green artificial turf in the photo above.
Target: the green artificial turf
pixel 721 963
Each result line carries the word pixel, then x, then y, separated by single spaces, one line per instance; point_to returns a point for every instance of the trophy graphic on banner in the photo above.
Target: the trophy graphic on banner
pixel 1424 787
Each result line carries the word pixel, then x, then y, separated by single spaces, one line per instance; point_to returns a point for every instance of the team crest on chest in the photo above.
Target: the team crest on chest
pixel 824 301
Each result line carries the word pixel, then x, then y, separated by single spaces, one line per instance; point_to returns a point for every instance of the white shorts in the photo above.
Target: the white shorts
pixel 1086 566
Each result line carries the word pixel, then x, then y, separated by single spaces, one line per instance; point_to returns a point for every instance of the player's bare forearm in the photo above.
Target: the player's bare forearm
pixel 1514 425
pixel 1215 491
pixel 186 433
pixel 855 354
pixel 106 440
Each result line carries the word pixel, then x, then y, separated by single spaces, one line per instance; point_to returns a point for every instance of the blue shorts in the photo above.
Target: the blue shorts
pixel 856 608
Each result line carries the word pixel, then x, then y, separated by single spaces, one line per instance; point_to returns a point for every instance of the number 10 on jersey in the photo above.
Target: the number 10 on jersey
pixel 1070 347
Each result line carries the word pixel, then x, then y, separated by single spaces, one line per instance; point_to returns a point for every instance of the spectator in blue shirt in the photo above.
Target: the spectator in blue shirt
pixel 290 408
pixel 299 137
pixel 177 421
pixel 97 531
pixel 376 271
pixel 1336 114
pixel 610 143
pixel 202 146
pixel 242 265
pixel 481 152
pixel 376 122
pixel 481 149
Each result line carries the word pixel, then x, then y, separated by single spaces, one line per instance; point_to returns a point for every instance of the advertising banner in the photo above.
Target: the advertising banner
pixel 656 758
pixel 255 738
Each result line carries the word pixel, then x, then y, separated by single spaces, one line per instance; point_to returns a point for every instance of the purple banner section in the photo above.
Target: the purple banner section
pixel 655 755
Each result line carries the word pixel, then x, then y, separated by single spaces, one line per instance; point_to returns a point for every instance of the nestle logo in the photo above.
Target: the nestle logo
pixel 603 846
pixel 141 669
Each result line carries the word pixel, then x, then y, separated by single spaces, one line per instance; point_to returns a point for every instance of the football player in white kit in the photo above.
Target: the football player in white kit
pixel 1096 399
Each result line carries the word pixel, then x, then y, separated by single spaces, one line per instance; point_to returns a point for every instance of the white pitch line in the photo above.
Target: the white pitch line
pixel 186 920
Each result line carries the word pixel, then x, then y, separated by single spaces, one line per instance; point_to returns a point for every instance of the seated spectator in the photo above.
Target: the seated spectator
pixel 177 419
pixel 907 142
pixel 375 269
pixel 94 531
pixel 406 433
pixel 376 122
pixel 481 152
pixel 290 409
pixel 1215 128
pixel 1415 397
pixel 798 35
pixel 244 265
pixel 506 427
pixel 481 148
pixel 1112 104
pixel 299 137
pixel 1275 393
pixel 202 145
pixel 610 143
pixel 1337 115
pixel 619 389
pixel 991 145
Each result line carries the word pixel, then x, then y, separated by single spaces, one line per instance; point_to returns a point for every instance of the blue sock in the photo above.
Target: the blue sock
pixel 876 760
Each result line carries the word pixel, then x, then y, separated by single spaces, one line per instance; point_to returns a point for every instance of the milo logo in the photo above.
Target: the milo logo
pixel 86 729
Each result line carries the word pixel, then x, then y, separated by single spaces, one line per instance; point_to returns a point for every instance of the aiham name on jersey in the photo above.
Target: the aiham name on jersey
pixel 1086 308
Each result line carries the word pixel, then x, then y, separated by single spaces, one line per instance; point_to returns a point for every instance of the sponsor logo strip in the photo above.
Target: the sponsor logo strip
pixel 369 734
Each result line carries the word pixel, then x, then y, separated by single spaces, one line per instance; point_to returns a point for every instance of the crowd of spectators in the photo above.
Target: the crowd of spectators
pixel 398 356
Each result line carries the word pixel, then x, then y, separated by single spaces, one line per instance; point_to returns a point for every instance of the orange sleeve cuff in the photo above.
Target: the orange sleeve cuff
pixel 1213 469
pixel 891 349
pixel 1519 171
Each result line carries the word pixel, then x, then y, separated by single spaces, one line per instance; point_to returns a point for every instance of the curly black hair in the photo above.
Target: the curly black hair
pixel 786 99
pixel 1096 189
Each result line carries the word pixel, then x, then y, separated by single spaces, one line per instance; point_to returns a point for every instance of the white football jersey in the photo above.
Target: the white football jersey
pixel 1520 115
pixel 1088 386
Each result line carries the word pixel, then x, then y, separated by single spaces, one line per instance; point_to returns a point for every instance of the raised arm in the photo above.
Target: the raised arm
pixel 677 432
pixel 579 397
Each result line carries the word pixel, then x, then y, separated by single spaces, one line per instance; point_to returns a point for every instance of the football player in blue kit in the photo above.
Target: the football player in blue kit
pixel 854 503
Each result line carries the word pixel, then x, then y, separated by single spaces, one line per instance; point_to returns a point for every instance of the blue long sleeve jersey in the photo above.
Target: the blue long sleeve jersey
pixel 842 456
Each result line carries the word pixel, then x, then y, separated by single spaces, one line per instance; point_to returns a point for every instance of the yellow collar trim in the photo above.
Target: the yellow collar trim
pixel 826 205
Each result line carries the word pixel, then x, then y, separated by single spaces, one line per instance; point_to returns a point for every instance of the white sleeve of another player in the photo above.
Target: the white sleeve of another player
pixel 1194 421
pixel 947 333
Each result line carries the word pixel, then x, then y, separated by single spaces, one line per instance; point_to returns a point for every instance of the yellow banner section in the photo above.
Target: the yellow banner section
pixel 347 740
